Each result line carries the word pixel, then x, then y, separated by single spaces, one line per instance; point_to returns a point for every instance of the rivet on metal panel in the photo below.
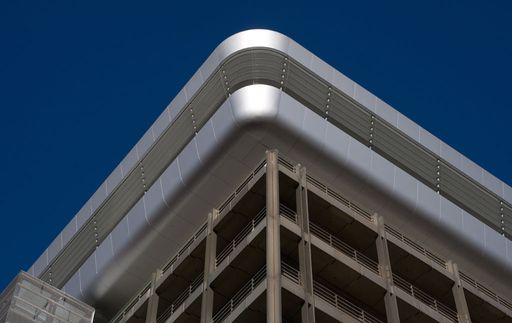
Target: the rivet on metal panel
pixel 193 117
pixel 283 73
pixel 372 127
pixel 143 178
pixel 328 102
pixel 502 219
pixel 95 227
pixel 225 80
pixel 438 175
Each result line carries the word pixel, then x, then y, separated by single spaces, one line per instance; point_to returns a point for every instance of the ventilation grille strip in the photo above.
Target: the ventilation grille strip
pixel 270 67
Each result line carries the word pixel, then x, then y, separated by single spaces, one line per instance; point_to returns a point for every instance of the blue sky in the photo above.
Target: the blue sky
pixel 80 82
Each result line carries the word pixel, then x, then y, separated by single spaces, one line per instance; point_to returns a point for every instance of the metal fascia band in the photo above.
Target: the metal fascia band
pixel 272 67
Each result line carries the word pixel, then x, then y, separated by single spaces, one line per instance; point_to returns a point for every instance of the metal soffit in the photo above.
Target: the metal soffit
pixel 263 65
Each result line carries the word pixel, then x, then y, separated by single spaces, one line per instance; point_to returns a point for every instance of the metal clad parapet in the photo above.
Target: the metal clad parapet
pixel 266 66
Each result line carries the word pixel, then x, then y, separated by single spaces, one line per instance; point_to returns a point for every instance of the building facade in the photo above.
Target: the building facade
pixel 275 188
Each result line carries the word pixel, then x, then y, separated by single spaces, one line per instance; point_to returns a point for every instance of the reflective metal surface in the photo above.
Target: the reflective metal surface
pixel 252 119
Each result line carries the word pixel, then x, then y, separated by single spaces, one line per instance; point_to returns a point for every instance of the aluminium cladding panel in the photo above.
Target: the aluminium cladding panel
pixel 394 145
pixel 348 117
pixel 252 66
pixel 470 196
pixel 137 181
pixel 155 227
pixel 311 91
pixel 233 121
pixel 187 123
pixel 349 110
pixel 402 151
pixel 93 232
pixel 117 175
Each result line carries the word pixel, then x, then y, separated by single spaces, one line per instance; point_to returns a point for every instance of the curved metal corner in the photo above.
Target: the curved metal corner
pixel 255 104
pixel 252 38
pixel 254 118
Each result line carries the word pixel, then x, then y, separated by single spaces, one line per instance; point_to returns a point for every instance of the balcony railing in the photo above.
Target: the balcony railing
pixel 348 203
pixel 345 248
pixel 227 204
pixel 322 234
pixel 239 238
pixel 372 265
pixel 425 298
pixel 343 304
pixel 240 296
pixel 288 213
pixel 180 299
pixel 330 296
pixel 484 290
pixel 184 248
pixel 333 241
pixel 142 292
pixel 435 258
pixel 291 273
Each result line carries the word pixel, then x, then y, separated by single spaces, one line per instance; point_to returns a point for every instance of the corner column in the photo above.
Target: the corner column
pixel 209 266
pixel 458 293
pixel 305 261
pixel 273 242
pixel 152 312
pixel 385 267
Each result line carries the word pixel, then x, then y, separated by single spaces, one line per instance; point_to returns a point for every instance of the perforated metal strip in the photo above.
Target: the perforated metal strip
pixel 266 66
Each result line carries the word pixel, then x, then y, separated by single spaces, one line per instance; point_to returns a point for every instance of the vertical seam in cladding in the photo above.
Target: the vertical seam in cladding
pixel 162 191
pixel 317 83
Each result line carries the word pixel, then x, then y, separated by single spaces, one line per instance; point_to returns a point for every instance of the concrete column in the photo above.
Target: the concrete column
pixel 385 267
pixel 273 240
pixel 152 311
pixel 305 262
pixel 458 294
pixel 209 266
